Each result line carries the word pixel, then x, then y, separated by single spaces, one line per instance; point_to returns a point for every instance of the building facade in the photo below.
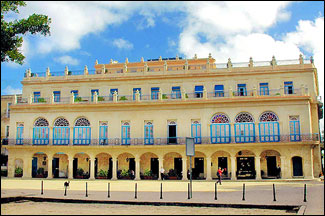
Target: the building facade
pixel 248 118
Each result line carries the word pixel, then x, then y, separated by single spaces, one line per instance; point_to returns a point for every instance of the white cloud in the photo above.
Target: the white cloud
pixel 10 90
pixel 122 44
pixel 67 60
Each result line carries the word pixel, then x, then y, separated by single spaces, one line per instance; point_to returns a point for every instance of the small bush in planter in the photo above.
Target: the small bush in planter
pixel 102 173
pixel 40 171
pixel 125 173
pixel 147 173
pixel 41 100
pixel 172 173
pixel 100 98
pixel 77 99
pixel 123 98
pixel 18 171
pixel 277 94
pixel 80 172
pixel 164 96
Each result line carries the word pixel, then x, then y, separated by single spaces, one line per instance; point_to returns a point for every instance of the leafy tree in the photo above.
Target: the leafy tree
pixel 11 39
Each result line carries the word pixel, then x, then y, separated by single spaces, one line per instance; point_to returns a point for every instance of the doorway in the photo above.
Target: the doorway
pixel 246 168
pixel 223 164
pixel 132 164
pixel 297 166
pixel 55 167
pixel 34 166
pixel 154 164
pixel 198 170
pixel 75 167
pixel 178 167
pixel 172 134
pixel 96 167
pixel 110 168
pixel 271 166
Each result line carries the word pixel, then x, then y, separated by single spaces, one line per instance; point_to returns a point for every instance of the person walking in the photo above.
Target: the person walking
pixel 162 173
pixel 219 174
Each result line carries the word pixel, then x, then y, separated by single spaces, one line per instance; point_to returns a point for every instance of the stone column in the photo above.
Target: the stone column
pixel 233 168
pixel 285 172
pixel 137 168
pixel 159 95
pixel 184 165
pixel 49 166
pixel 205 93
pixel 27 170
pixel 72 98
pixel 114 174
pixel 92 166
pixel 258 167
pixel 95 97
pixel 209 178
pixel 70 168
pixel 11 166
pixel 161 164
pixel 115 97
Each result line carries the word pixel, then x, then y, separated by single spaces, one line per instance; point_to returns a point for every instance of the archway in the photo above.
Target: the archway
pixel 220 159
pixel 245 165
pixel 60 165
pixel 149 166
pixel 103 166
pixel 270 161
pixel 199 167
pixel 297 166
pixel 81 166
pixel 40 165
pixel 126 166
pixel 173 165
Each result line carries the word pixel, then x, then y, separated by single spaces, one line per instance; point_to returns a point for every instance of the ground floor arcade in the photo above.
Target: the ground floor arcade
pixel 145 162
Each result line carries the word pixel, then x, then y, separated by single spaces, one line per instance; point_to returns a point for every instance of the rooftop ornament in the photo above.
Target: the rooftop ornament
pixel 311 59
pixel 96 62
pixel 229 64
pixel 273 62
pixel 142 60
pixel 177 58
pixel 160 59
pixel 251 63
pixel 126 60
pixel 111 61
pixel 195 56
pixel 210 56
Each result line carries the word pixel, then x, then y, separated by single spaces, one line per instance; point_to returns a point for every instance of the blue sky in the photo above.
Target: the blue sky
pixel 82 32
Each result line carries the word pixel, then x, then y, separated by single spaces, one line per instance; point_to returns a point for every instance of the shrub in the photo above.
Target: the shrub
pixel 100 98
pixel 41 100
pixel 102 173
pixel 18 170
pixel 164 96
pixel 40 171
pixel 125 172
pixel 123 98
pixel 172 172
pixel 77 99
pixel 147 172
pixel 80 172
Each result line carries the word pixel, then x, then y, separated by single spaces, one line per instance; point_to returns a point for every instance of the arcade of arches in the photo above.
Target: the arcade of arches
pixel 238 163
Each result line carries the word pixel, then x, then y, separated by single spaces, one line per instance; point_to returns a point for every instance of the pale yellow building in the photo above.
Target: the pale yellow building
pixel 247 118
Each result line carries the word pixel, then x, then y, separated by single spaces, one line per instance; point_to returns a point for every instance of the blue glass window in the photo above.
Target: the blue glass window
pixel 81 135
pixel 264 89
pixel 196 132
pixel 112 93
pixel 218 91
pixel 288 88
pixel 61 135
pixel 176 92
pixel 41 135
pixel 148 134
pixel 220 133
pixel 37 95
pixel 241 90
pixel 75 93
pixel 8 109
pixel 103 135
pixel 20 131
pixel 244 132
pixel 295 130
pixel 93 93
pixel 126 134
pixel 269 128
pixel 198 91
pixel 154 93
pixel 56 96
pixel 134 91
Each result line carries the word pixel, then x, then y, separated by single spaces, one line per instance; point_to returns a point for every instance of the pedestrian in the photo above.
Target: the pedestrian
pixel 162 173
pixel 132 174
pixel 219 174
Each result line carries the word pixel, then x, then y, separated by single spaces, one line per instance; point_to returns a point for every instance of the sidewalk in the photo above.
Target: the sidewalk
pixel 230 192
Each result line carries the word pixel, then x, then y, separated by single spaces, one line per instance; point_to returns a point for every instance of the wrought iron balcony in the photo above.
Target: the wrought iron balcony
pixel 163 141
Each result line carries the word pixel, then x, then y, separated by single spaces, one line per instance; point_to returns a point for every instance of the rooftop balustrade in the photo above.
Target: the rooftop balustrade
pixel 163 141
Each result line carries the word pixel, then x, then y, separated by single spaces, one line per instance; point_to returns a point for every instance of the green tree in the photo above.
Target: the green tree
pixel 11 32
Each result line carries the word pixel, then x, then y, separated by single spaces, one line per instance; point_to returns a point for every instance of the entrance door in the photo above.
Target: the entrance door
pixel 75 167
pixel 34 166
pixel 110 168
pixel 172 134
pixel 223 164
pixel 245 167
pixel 198 168
pixel 96 166
pixel 297 166
pixel 271 166
pixel 178 166
pixel 55 167
pixel 154 167
pixel 132 164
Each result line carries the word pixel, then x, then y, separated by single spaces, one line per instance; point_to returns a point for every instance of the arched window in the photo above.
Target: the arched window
pixel 220 118
pixel 220 128
pixel 82 122
pixel 148 133
pixel 269 128
pixel 41 122
pixel 41 132
pixel 196 131
pixel 61 132
pixel 244 117
pixel 61 122
pixel 268 117
pixel 244 128
pixel 81 132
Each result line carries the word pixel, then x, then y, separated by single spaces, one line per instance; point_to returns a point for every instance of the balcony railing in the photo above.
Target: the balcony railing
pixel 217 95
pixel 162 141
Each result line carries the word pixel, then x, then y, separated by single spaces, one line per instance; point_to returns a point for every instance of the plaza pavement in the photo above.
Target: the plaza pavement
pixel 288 192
